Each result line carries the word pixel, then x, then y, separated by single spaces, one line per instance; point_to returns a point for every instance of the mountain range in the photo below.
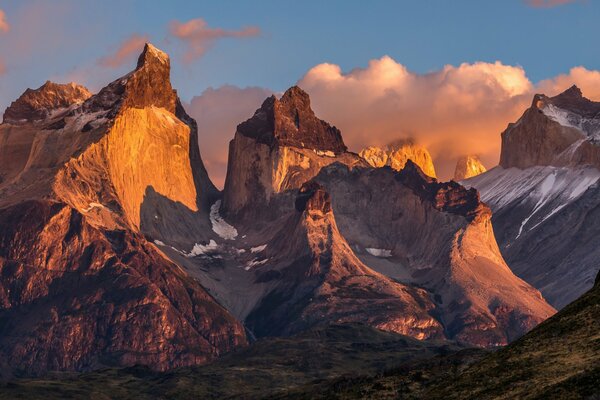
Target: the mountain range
pixel 117 250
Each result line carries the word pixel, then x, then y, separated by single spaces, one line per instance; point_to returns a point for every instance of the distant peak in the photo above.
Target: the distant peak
pixel 37 104
pixel 152 55
pixel 573 91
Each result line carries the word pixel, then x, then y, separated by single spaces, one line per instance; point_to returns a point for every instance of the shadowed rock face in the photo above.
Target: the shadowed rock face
pixel 36 105
pixel 560 131
pixel 81 286
pixel 290 121
pixel 436 236
pixel 74 297
pixel 317 280
pixel 544 195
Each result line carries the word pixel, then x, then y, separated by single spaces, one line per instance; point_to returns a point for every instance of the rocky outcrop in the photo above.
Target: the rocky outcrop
pixel 544 195
pixel 74 297
pixel 468 167
pixel 317 280
pixel 38 104
pixel 560 131
pixel 83 191
pixel 453 253
pixel 282 146
pixel 396 155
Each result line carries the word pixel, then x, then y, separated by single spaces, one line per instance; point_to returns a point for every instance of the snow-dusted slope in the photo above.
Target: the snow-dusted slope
pixel 543 218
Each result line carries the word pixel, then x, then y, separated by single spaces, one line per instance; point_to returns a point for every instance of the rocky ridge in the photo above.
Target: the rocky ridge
pixel 97 171
pixel 396 155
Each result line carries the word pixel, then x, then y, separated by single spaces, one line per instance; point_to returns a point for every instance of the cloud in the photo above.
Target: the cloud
pixel 2 67
pixel 130 47
pixel 218 112
pixel 4 26
pixel 547 3
pixel 199 37
pixel 453 111
pixel 588 81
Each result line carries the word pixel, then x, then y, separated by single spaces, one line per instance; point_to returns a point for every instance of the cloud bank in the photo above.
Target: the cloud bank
pixel 218 112
pixel 199 37
pixel 454 111
pixel 548 3
pixel 129 48
pixel 4 26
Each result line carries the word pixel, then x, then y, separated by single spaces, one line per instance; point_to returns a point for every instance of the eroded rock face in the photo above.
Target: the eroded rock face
pixel 74 297
pixel 544 195
pixel 468 167
pixel 281 147
pixel 437 236
pixel 81 193
pixel 316 280
pixel 560 131
pixel 37 104
pixel 396 155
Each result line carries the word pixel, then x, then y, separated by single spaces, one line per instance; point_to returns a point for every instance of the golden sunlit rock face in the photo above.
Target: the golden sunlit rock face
pixel 82 180
pixel 397 153
pixel 468 167
pixel 150 147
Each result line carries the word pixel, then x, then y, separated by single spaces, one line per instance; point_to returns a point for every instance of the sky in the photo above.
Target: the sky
pixel 450 74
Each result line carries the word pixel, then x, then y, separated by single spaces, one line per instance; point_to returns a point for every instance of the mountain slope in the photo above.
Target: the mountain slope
pixel 453 254
pixel 320 281
pixel 558 359
pixel 81 285
pixel 544 195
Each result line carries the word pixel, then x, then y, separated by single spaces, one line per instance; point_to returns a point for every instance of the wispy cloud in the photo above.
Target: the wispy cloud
pixel 4 26
pixel 199 37
pixel 130 47
pixel 547 3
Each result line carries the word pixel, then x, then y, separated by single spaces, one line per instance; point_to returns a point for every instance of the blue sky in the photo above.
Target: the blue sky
pixel 423 35
pixel 451 110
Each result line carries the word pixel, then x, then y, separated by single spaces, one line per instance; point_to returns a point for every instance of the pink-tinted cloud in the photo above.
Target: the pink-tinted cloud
pixel 548 3
pixel 218 112
pixel 454 111
pixel 128 49
pixel 199 37
pixel 4 26
pixel 588 81
pixel 2 67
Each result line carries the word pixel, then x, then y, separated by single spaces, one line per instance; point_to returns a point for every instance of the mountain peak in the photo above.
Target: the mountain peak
pixel 152 55
pixel 37 104
pixel 468 167
pixel 397 153
pixel 290 121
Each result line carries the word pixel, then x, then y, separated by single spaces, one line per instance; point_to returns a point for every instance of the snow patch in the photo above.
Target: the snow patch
pixel 379 252
pixel 219 225
pixel 200 249
pixel 91 206
pixel 258 249
pixel 327 153
pixel 255 263
pixel 158 242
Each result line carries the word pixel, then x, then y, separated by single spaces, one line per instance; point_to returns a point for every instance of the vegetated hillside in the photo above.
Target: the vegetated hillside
pixel 270 367
pixel 560 359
